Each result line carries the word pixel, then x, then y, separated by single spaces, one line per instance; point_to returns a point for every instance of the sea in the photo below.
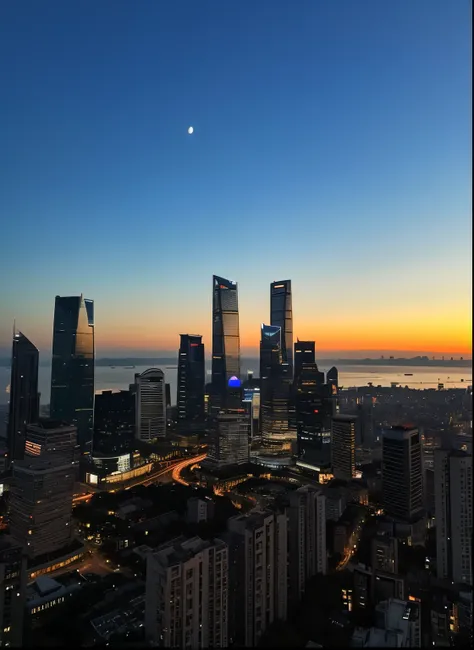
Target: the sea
pixel 119 378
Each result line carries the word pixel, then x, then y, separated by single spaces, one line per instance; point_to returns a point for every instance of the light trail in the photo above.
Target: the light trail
pixel 176 473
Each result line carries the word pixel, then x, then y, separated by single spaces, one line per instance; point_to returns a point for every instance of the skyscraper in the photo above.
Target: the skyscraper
pixel 453 512
pixel 13 578
pixel 230 440
pixel 191 375
pixel 402 474
pixel 314 409
pixel 43 488
pixel 281 315
pixel 114 421
pixel 304 353
pixel 225 345
pixel 24 398
pixel 270 351
pixel 72 374
pixel 150 408
pixel 343 435
pixel 187 595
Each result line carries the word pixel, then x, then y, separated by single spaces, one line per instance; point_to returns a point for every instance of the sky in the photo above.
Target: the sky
pixel 331 146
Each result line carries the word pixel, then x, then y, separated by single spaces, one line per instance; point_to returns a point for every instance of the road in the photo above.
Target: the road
pixel 177 469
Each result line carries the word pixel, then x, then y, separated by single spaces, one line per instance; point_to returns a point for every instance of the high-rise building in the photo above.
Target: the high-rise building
pixel 114 421
pixel 332 380
pixel 453 513
pixel 191 376
pixel 306 539
pixel 305 352
pixel 270 351
pixel 343 435
pixel 186 603
pixel 281 315
pixel 385 553
pixel 402 474
pixel 225 345
pixel 43 487
pixel 24 397
pixel 258 547
pixel 13 578
pixel 230 440
pixel 150 405
pixel 314 410
pixel 72 372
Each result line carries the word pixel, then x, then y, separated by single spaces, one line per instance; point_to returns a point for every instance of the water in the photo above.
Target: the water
pixel 107 378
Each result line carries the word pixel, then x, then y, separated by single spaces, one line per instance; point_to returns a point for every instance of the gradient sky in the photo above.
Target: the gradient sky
pixel 332 146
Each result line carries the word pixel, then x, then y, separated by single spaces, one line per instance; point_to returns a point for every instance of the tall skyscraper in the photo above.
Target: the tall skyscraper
pixel 72 373
pixel 150 405
pixel 24 398
pixel 314 409
pixel 453 513
pixel 43 487
pixel 402 474
pixel 13 577
pixel 343 435
pixel 332 380
pixel 191 376
pixel 281 315
pixel 114 421
pixel 270 352
pixel 304 353
pixel 258 550
pixel 186 602
pixel 306 538
pixel 225 345
pixel 230 440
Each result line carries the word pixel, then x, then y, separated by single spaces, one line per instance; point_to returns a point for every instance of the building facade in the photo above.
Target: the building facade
pixel 24 397
pixel 402 474
pixel 453 515
pixel 114 421
pixel 191 377
pixel 150 405
pixel 187 595
pixel 42 488
pixel 225 345
pixel 230 440
pixel 72 370
pixel 306 539
pixel 258 548
pixel 305 352
pixel 343 439
pixel 13 579
pixel 281 315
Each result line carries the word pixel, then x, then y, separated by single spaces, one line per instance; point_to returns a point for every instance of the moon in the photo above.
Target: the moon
pixel 190 130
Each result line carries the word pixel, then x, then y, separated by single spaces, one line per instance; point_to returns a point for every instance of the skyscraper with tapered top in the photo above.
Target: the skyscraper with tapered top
pixel 225 345
pixel 281 315
pixel 72 374
pixel 24 398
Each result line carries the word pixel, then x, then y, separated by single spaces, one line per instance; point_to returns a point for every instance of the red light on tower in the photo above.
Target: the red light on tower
pixel 316 410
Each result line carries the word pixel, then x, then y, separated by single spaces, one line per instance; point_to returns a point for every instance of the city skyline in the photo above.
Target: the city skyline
pixel 321 152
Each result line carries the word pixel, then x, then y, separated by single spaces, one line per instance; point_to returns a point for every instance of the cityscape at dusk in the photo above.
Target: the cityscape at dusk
pixel 236 404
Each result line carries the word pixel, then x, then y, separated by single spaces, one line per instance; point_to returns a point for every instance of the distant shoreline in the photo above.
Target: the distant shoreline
pixel 173 361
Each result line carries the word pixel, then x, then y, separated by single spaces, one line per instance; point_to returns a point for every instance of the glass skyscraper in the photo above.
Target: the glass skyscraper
pixel 304 353
pixel 191 377
pixel 24 398
pixel 225 345
pixel 281 315
pixel 72 376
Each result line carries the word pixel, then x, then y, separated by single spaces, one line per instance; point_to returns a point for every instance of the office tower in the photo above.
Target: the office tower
pixel 114 421
pixel 270 351
pixel 453 513
pixel 281 315
pixel 168 396
pixel 150 405
pixel 43 487
pixel 72 372
pixel 304 353
pixel 24 398
pixel 385 553
pixel 225 345
pixel 402 474
pixel 332 380
pixel 365 423
pixel 13 577
pixel 313 419
pixel 258 574
pixel 251 400
pixel 230 440
pixel 191 375
pixel 343 434
pixel 186 601
pixel 306 539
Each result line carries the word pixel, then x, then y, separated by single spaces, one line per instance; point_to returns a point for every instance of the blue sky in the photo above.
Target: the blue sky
pixel 332 146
